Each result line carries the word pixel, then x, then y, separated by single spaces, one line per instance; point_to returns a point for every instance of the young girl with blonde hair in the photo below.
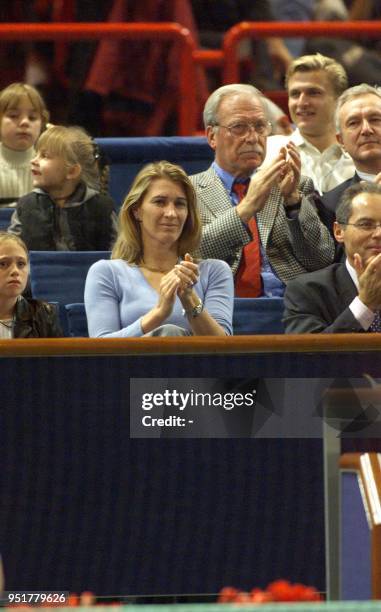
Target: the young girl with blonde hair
pixel 65 211
pixel 23 116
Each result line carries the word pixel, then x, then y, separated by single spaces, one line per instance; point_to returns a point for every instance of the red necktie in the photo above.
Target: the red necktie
pixel 248 281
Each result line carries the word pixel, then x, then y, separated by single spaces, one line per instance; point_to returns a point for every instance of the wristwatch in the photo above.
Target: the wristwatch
pixel 195 311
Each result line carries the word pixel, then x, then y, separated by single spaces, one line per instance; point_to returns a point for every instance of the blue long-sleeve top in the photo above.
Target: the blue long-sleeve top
pixel 117 296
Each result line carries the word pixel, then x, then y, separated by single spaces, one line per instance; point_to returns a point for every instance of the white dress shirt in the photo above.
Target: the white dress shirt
pixel 327 169
pixel 361 313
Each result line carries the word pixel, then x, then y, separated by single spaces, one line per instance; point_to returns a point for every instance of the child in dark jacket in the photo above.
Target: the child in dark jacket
pixel 21 317
pixel 65 211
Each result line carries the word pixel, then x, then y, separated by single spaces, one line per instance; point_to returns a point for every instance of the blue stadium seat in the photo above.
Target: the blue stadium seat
pixel 59 276
pixel 76 320
pixel 258 316
pixel 128 155
pixel 5 217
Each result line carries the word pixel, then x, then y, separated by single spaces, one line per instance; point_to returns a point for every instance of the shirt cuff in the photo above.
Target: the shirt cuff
pixel 362 313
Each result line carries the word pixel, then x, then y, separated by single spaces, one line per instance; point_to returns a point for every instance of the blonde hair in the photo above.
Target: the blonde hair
pixel 10 98
pixel 5 237
pixel 308 63
pixel 75 146
pixel 128 245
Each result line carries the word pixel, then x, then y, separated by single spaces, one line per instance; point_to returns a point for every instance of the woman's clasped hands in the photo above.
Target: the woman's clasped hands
pixel 178 282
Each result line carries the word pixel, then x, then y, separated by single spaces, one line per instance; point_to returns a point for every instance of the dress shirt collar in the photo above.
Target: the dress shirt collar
pixel 300 141
pixel 227 179
pixel 352 273
pixel 364 176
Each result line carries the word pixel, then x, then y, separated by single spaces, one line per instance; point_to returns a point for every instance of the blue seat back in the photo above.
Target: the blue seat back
pixel 128 155
pixel 60 276
pixel 5 217
pixel 76 320
pixel 258 316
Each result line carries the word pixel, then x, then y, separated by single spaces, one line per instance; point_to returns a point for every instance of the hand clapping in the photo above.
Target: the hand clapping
pixel 369 277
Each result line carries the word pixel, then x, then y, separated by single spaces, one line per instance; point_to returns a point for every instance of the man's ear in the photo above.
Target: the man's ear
pixel 211 136
pixel 338 231
pixel 74 172
pixel 340 140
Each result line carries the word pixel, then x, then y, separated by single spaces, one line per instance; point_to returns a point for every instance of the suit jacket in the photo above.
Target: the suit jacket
pixel 327 209
pixel 319 302
pixel 293 246
pixel 332 198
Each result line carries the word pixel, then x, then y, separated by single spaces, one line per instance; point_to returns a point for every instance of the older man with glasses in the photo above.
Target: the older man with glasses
pixel 346 296
pixel 261 223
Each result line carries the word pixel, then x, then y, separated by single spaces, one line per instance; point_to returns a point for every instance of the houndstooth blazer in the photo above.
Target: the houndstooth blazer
pixel 293 246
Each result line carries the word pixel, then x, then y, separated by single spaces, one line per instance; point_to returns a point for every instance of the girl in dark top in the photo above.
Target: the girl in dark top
pixel 65 211
pixel 20 317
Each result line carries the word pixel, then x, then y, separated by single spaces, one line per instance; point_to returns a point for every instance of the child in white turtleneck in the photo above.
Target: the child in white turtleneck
pixel 23 116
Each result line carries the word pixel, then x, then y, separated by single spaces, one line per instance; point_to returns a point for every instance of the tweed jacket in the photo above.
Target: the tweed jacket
pixel 293 246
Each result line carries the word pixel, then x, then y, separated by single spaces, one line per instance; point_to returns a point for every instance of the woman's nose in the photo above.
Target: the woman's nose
pixel 170 209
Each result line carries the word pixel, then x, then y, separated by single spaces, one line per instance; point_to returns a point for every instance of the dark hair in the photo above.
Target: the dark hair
pixel 344 209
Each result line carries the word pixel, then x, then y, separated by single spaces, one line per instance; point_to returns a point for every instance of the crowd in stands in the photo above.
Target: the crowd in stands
pixel 291 215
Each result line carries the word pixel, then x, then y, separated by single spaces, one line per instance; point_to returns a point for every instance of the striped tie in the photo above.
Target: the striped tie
pixel 376 325
pixel 248 281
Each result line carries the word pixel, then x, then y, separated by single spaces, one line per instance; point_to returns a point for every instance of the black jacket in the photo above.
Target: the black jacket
pixel 35 319
pixel 319 302
pixel 332 198
pixel 86 223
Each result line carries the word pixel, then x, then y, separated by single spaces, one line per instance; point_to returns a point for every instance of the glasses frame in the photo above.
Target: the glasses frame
pixel 363 229
pixel 250 125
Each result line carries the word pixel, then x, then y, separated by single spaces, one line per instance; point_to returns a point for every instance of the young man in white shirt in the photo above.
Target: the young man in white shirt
pixel 314 83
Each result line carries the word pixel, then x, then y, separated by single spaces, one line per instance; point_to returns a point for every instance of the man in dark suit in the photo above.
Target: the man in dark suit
pixel 272 214
pixel 358 121
pixel 345 296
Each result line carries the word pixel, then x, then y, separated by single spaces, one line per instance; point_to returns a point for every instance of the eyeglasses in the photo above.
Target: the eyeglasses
pixel 364 226
pixel 242 128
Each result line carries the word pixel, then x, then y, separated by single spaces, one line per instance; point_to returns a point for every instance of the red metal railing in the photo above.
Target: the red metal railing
pixel 246 29
pixel 189 55
pixel 186 103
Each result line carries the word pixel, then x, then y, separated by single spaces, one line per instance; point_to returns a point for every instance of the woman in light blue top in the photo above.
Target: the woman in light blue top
pixel 152 285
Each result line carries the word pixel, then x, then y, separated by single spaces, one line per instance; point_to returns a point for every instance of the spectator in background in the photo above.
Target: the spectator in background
pixel 65 211
pixel 213 19
pixel 265 228
pixel 23 116
pixel 152 285
pixel 362 58
pixel 21 317
pixel 138 78
pixel 294 10
pixel 314 83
